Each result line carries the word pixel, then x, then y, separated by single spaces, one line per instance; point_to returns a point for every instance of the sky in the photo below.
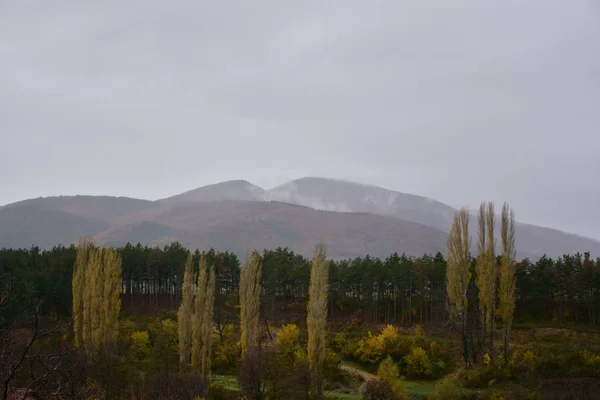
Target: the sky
pixel 461 101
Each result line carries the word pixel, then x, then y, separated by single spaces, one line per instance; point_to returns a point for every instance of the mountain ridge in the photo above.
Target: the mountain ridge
pixel 287 214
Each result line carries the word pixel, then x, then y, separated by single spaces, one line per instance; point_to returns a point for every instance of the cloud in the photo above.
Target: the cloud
pixel 459 101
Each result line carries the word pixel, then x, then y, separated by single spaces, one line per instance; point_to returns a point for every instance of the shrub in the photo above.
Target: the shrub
pixel 287 338
pixel 446 390
pixel 226 350
pixel 418 364
pixel 388 370
pixel 140 345
pixel 379 390
pixel 418 339
pixel 373 349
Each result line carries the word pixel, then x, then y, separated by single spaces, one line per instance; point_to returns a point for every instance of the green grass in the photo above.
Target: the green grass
pixel 228 382
pixel 341 396
pixel 420 388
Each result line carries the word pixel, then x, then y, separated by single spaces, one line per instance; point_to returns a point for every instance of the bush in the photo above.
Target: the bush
pixel 379 390
pixel 418 339
pixel 226 350
pixel 418 364
pixel 388 370
pixel 287 339
pixel 446 390
pixel 373 349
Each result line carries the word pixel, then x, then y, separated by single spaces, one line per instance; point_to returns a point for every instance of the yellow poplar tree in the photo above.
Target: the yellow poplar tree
pixel 78 284
pixel 207 324
pixel 317 317
pixel 97 280
pixel 184 315
pixel 486 270
pixel 250 289
pixel 111 297
pixel 197 318
pixel 507 274
pixel 458 274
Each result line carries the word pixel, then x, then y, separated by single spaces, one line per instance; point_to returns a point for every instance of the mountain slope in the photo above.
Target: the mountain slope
pixel 344 196
pixel 330 194
pixel 103 208
pixel 354 219
pixel 24 226
pixel 229 190
pixel 239 226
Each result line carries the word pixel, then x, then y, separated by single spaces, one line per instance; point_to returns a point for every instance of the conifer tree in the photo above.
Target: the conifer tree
pixel 486 271
pixel 317 317
pixel 507 274
pixel 250 289
pixel 184 315
pixel 458 274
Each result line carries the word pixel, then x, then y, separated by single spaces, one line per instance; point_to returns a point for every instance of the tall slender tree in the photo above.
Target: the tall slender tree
pixel 97 280
pixel 317 317
pixel 458 274
pixel 78 285
pixel 507 274
pixel 184 315
pixel 486 270
pixel 112 272
pixel 207 325
pixel 250 289
pixel 197 318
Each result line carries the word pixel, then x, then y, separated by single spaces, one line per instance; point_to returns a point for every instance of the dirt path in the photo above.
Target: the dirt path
pixel 366 376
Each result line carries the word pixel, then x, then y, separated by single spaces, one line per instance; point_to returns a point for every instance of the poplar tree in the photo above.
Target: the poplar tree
pixel 250 289
pixel 78 284
pixel 458 274
pixel 184 315
pixel 207 319
pixel 507 274
pixel 197 318
pixel 111 297
pixel 486 271
pixel 317 317
pixel 97 279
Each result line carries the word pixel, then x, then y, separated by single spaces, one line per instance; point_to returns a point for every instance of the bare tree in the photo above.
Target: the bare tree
pixel 36 356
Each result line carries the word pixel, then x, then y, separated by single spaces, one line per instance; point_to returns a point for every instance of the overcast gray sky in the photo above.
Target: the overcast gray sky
pixel 461 101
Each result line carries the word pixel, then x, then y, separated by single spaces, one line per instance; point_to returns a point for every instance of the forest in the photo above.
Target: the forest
pixel 141 322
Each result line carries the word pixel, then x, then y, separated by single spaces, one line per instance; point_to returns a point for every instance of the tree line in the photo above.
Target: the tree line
pixel 399 289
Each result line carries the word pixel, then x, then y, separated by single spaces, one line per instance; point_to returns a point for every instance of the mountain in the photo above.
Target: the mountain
pixel 344 196
pixel 26 226
pixel 103 208
pixel 230 190
pixel 331 194
pixel 353 218
pixel 241 225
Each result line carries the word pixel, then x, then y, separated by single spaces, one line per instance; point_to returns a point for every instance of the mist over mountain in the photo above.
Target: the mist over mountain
pixel 355 219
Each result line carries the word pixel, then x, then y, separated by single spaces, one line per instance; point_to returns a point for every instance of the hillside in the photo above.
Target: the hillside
pixel 343 196
pixel 230 190
pixel 355 219
pixel 238 226
pixel 26 226
pixel 330 194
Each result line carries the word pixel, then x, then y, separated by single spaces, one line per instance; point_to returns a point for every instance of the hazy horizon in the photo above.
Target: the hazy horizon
pixel 459 102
